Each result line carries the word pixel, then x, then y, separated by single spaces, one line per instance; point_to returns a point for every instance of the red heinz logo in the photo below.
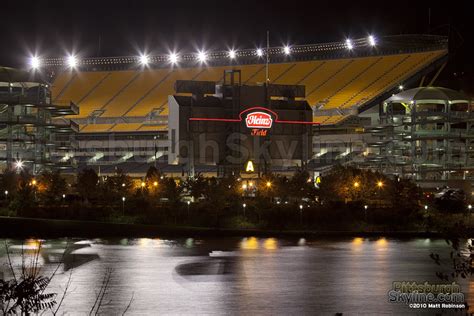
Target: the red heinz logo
pixel 258 120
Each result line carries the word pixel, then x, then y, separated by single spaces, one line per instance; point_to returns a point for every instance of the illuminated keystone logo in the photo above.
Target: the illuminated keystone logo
pixel 258 120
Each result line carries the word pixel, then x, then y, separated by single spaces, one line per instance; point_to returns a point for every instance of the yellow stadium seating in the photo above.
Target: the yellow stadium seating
pixel 332 83
pixel 125 127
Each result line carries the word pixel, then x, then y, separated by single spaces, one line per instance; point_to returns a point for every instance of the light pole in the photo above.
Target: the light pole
pixel 244 206
pixel 189 202
pixel 469 207
pixel 301 215
pixel 6 194
pixel 123 205
pixel 365 211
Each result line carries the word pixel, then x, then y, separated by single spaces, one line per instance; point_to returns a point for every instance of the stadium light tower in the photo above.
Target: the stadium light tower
pixel 287 50
pixel 202 56
pixel 144 59
pixel 35 62
pixel 349 44
pixel 173 58
pixel 372 40
pixel 72 61
pixel 232 54
pixel 259 52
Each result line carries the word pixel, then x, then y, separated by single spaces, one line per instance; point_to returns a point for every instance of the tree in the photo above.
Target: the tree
pixel 87 184
pixel 353 184
pixel 9 181
pixel 170 190
pixel 301 186
pixel 115 187
pixel 52 185
pixel 197 186
pixel 24 199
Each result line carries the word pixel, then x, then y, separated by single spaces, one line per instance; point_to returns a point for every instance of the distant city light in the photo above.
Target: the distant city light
pixel 173 58
pixel 144 60
pixel 72 61
pixel 372 40
pixel 202 56
pixel 259 52
pixel 286 50
pixel 349 44
pixel 35 62
pixel 232 54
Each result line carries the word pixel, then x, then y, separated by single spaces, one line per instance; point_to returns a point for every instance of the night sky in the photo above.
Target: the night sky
pixel 117 28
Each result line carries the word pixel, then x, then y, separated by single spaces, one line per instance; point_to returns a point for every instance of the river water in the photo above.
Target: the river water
pixel 235 276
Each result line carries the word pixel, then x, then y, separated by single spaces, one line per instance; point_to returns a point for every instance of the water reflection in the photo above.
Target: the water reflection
pixel 264 276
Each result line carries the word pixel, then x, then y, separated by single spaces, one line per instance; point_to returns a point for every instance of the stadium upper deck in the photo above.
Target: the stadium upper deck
pixel 120 95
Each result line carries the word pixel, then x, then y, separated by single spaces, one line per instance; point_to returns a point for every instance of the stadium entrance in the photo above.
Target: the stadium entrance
pixel 227 125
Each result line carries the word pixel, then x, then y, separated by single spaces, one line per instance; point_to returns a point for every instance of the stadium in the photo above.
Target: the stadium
pixel 125 104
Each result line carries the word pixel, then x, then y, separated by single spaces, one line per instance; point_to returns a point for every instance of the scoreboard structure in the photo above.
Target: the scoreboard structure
pixel 229 125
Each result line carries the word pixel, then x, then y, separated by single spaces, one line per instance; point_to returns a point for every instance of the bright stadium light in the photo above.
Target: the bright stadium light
pixel 259 52
pixel 144 60
pixel 372 40
pixel 202 56
pixel 35 62
pixel 287 50
pixel 72 61
pixel 232 54
pixel 349 44
pixel 173 58
pixel 19 164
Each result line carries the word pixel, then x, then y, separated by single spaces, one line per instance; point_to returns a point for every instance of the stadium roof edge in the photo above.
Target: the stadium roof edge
pixel 387 45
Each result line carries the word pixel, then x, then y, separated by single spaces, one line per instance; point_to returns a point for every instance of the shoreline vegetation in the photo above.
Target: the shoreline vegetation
pixel 17 227
pixel 345 202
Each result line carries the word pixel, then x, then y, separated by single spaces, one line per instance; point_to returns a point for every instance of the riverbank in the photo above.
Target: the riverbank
pixel 16 227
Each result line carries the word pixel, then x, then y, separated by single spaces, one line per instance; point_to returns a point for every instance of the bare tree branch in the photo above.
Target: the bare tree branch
pixel 129 304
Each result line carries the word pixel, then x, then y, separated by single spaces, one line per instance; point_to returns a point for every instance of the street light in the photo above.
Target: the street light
pixel 301 214
pixel 155 184
pixel 365 211
pixel 6 194
pixel 380 184
pixel 268 184
pixel 356 184
pixel 244 206
pixel 123 205
pixel 189 203
pixel 426 207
